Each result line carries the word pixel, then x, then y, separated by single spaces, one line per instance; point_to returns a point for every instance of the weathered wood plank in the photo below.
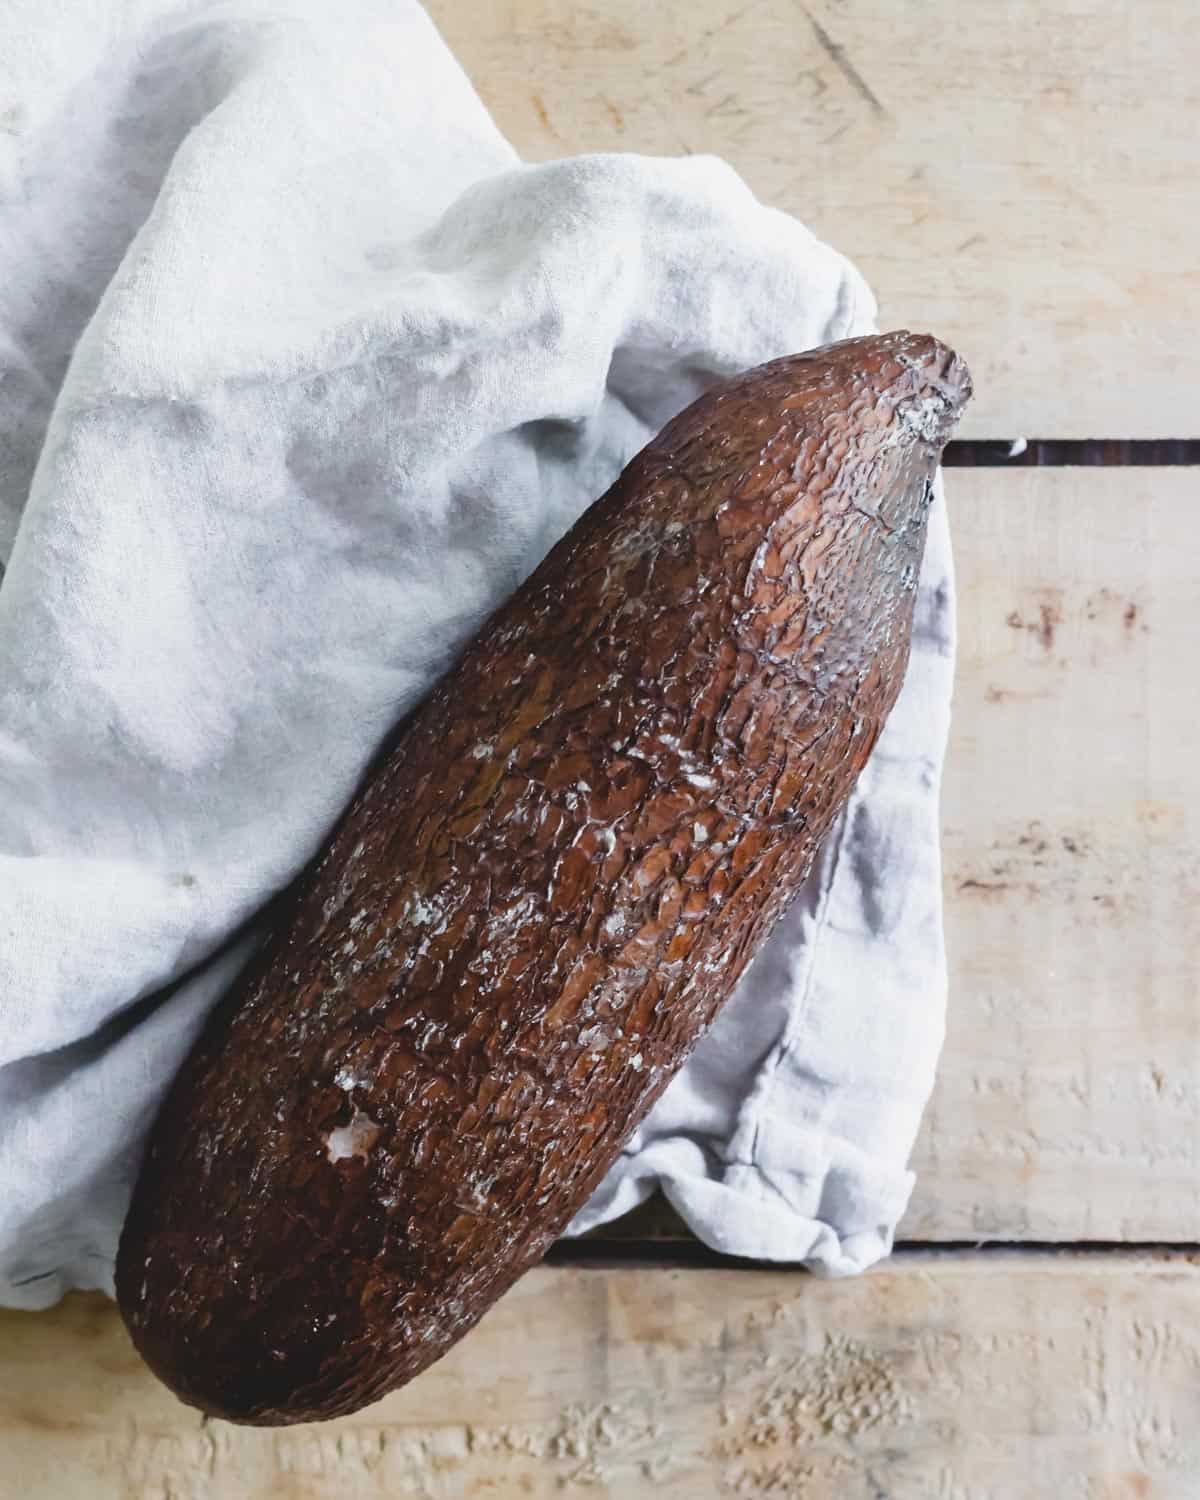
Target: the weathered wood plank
pixel 1068 1103
pixel 935 1378
pixel 1023 184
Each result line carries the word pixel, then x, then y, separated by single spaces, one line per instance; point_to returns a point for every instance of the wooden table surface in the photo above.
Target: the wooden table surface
pixel 1022 179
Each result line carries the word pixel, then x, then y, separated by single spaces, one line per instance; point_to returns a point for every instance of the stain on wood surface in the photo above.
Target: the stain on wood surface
pixel 1072 861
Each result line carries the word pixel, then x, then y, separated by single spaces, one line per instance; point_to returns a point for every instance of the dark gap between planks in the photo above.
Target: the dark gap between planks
pixel 691 1254
pixel 1072 452
pixel 653 1234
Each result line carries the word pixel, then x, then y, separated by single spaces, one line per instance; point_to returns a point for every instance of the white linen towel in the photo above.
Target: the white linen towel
pixel 301 372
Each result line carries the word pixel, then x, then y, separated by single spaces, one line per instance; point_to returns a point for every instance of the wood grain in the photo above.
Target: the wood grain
pixel 1023 184
pixel 935 1378
pixel 1068 1101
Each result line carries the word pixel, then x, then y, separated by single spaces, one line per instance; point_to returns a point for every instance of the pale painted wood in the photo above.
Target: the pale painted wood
pixel 1068 1104
pixel 953 1378
pixel 1020 179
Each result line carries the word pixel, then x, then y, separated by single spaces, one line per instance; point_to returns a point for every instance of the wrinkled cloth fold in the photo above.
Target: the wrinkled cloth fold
pixel 302 370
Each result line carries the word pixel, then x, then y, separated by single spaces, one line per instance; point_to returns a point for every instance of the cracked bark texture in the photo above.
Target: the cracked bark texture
pixel 541 896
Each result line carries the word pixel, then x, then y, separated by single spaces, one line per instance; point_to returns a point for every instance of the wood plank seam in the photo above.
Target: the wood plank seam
pixel 1071 452
pixel 687 1253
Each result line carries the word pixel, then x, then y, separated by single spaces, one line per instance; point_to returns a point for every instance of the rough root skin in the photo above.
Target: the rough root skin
pixel 541 897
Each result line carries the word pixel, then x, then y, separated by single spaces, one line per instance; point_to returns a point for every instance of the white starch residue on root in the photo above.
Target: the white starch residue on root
pixel 354 1139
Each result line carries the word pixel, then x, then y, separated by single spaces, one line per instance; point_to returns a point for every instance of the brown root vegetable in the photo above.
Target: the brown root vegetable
pixel 541 896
